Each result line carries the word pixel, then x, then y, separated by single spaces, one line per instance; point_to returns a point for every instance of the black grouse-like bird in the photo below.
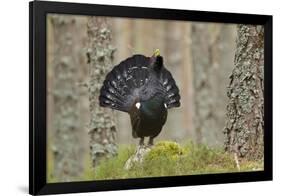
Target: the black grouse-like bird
pixel 144 88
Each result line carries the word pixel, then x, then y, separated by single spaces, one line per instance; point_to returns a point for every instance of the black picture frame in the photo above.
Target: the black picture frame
pixel 37 97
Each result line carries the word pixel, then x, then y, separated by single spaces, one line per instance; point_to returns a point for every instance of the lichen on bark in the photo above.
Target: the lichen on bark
pixel 244 128
pixel 100 52
pixel 66 144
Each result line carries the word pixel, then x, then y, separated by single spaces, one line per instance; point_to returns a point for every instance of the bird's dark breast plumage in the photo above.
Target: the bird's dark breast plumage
pixel 148 120
pixel 145 126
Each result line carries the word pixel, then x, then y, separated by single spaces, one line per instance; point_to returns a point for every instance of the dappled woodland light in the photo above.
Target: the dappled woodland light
pixel 203 59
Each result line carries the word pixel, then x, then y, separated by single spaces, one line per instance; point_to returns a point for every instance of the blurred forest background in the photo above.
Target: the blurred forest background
pixel 200 57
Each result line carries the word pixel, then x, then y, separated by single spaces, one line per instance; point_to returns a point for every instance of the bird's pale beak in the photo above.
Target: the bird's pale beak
pixel 156 53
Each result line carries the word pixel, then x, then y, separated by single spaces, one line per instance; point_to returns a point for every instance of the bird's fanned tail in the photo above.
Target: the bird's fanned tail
pixel 128 80
pixel 172 98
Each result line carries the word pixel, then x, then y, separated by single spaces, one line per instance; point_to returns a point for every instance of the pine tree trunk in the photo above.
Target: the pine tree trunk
pixel 102 128
pixel 187 87
pixel 210 56
pixel 202 80
pixel 245 110
pixel 66 146
pixel 173 60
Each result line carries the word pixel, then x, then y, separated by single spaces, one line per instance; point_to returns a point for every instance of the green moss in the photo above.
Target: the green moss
pixel 169 159
pixel 113 168
pixel 166 149
pixel 165 159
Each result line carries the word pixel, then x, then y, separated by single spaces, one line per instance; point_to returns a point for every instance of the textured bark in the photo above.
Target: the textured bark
pixel 245 111
pixel 211 46
pixel 66 146
pixel 173 60
pixel 186 87
pixel 102 128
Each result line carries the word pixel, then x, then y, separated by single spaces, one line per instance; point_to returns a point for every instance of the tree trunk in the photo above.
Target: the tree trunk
pixel 211 64
pixel 202 85
pixel 187 88
pixel 173 60
pixel 245 110
pixel 66 146
pixel 102 128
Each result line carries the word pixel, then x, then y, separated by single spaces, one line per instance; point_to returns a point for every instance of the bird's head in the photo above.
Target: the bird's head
pixel 156 60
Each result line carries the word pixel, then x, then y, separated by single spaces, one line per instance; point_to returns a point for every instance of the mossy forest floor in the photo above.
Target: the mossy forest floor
pixel 165 159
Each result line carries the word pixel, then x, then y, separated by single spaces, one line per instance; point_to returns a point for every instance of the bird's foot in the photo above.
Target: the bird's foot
pixel 150 142
pixel 141 143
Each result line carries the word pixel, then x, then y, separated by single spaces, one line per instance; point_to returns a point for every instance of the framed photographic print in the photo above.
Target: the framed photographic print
pixel 132 97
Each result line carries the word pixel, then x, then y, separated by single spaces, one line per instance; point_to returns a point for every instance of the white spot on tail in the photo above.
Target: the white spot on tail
pixel 138 105
pixel 165 105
